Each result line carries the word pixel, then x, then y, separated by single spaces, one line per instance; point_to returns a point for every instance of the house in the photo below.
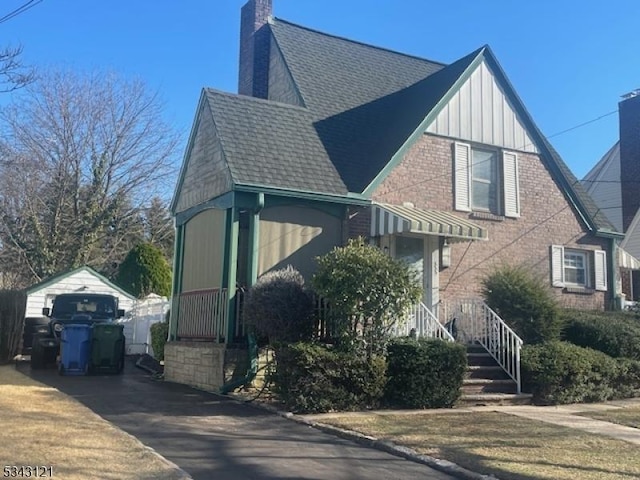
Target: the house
pixel 614 182
pixel 83 279
pixel 330 139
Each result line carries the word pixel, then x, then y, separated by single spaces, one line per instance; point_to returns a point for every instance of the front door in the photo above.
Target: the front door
pixel 422 254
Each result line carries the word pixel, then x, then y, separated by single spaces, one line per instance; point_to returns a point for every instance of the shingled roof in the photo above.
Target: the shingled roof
pixel 271 143
pixel 361 104
pixel 335 75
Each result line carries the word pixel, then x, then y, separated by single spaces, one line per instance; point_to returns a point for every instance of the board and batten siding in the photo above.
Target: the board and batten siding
pixel 203 257
pixel 206 174
pixel 481 112
pixel 80 281
pixel 295 236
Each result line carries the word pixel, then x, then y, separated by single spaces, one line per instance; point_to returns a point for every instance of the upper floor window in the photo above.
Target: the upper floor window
pixel 486 180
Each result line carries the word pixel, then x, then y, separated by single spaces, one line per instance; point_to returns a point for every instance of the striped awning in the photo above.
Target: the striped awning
pixel 389 219
pixel 626 260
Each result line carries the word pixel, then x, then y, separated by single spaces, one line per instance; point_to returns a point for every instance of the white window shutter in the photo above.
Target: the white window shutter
pixel 600 262
pixel 511 188
pixel 557 265
pixel 462 176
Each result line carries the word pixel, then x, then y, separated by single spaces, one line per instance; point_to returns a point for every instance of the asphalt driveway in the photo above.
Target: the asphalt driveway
pixel 212 437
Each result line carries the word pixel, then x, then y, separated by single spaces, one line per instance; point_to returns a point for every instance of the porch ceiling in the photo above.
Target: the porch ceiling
pixel 389 219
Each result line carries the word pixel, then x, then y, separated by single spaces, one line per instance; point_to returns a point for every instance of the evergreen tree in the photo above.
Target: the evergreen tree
pixel 145 270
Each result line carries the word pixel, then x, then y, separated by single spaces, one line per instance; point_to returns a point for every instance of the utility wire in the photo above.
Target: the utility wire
pixel 30 4
pixel 575 127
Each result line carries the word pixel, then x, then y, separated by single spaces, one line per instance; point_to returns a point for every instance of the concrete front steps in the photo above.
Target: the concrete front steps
pixel 486 383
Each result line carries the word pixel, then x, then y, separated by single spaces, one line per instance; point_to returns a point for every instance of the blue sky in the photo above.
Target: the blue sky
pixel 569 61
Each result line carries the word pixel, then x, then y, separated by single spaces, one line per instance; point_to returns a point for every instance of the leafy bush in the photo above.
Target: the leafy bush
pixel 310 377
pixel 524 302
pixel 159 334
pixel 12 308
pixel 280 307
pixel 368 292
pixel 560 372
pixel 145 270
pixel 628 379
pixel 617 335
pixel 424 373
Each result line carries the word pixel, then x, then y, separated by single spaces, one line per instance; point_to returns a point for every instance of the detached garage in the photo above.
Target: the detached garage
pixel 83 279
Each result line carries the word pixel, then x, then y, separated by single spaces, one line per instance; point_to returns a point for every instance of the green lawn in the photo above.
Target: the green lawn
pixel 506 446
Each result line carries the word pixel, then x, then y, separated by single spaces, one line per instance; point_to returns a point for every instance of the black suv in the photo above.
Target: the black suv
pixel 71 309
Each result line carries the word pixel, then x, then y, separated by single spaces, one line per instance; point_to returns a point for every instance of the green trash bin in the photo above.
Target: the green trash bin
pixel 107 348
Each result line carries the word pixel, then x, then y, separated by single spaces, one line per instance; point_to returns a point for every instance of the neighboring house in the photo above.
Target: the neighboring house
pixel 614 184
pixel 329 139
pixel 83 279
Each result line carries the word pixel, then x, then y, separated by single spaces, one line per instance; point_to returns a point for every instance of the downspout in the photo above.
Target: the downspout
pixel 616 299
pixel 251 371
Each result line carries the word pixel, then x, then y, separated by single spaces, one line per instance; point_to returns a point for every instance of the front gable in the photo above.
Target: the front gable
pixel 480 111
pixel 205 173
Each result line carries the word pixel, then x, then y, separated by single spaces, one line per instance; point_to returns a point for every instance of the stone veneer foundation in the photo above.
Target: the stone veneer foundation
pixel 198 364
pixel 205 365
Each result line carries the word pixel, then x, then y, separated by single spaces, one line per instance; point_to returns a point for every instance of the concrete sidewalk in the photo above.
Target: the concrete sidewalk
pixel 564 415
pixel 569 416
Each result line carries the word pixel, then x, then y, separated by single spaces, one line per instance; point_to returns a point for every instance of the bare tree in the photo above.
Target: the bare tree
pixel 81 155
pixel 13 73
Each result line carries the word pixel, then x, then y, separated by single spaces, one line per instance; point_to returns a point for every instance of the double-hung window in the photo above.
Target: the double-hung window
pixel 486 180
pixel 575 268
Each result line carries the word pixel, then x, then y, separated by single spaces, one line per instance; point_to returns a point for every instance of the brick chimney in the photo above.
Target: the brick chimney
pixel 255 44
pixel 629 112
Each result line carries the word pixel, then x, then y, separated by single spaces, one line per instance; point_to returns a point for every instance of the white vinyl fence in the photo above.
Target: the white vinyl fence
pixel 137 323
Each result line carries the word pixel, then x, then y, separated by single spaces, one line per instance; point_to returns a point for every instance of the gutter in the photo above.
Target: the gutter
pixel 251 371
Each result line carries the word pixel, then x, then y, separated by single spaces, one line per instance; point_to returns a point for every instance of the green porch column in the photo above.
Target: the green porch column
pixel 231 268
pixel 254 240
pixel 178 258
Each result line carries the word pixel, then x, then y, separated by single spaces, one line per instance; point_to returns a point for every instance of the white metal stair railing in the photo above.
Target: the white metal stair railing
pixel 476 322
pixel 424 323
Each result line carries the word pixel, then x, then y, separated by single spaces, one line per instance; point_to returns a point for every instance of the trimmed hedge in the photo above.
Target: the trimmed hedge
pixel 159 334
pixel 280 307
pixel 314 378
pixel 560 372
pixel 616 334
pixel 424 373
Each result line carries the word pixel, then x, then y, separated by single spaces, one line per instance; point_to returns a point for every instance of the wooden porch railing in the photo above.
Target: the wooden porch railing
pixel 203 315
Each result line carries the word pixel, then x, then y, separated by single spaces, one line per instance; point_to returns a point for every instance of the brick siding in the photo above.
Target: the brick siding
pixel 254 48
pixel 425 178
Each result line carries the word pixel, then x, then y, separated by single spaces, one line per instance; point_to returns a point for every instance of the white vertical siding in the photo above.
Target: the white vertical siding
pixel 631 241
pixel 480 112
pixel 82 280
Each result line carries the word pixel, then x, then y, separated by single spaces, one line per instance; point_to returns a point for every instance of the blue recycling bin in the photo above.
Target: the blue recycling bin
pixel 75 350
